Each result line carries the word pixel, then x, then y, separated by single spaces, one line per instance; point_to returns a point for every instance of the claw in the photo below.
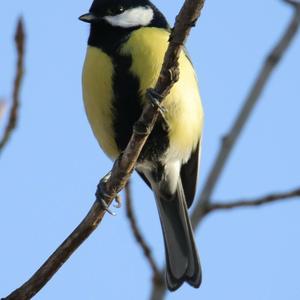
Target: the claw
pixel 101 195
pixel 106 208
pixel 155 99
pixel 119 202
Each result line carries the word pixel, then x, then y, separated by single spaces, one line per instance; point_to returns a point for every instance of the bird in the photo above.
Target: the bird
pixel 126 47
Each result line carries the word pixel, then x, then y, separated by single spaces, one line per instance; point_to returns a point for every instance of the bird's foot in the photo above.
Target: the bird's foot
pixel 155 99
pixel 102 196
pixel 118 199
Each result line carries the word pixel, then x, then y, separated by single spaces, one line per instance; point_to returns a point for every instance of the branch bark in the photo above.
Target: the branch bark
pixel 124 166
pixel 13 114
pixel 229 141
pixel 253 203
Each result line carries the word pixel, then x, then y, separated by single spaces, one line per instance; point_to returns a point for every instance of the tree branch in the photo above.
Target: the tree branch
pixel 256 202
pixel 13 114
pixel 159 291
pixel 139 236
pixel 229 141
pixel 124 166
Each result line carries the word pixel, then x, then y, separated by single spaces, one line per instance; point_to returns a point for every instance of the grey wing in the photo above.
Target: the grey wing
pixel 189 176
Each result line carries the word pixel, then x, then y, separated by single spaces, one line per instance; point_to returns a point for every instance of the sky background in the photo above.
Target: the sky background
pixel 50 168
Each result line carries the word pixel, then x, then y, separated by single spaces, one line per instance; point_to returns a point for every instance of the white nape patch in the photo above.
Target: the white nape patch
pixel 137 16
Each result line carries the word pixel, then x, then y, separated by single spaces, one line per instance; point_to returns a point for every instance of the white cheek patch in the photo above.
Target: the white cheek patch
pixel 138 16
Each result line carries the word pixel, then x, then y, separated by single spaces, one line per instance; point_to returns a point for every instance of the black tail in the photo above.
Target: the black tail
pixel 181 254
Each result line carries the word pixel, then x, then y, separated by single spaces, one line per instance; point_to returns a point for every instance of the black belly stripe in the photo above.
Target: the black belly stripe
pixel 126 104
pixel 127 109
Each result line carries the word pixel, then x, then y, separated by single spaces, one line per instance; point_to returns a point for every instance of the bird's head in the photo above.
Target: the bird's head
pixel 120 13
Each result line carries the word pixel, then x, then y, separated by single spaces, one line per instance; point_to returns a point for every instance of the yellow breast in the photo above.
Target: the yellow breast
pixel 184 113
pixel 146 47
pixel 98 94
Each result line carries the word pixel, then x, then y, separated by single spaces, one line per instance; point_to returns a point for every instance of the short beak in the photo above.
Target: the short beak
pixel 89 18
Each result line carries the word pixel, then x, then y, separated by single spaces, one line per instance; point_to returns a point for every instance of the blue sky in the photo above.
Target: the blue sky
pixel 50 168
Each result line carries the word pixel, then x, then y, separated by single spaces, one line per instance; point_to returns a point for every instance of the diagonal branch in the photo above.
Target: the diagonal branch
pixel 124 166
pixel 139 236
pixel 13 114
pixel 229 141
pixel 252 203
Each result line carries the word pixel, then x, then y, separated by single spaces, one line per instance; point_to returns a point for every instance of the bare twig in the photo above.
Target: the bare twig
pixel 139 236
pixel 159 291
pixel 13 114
pixel 256 202
pixel 125 164
pixel 229 141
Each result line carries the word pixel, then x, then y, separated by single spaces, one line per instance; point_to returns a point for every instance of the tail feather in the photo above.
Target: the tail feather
pixel 181 254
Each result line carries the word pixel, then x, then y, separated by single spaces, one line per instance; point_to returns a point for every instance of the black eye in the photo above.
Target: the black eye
pixel 115 10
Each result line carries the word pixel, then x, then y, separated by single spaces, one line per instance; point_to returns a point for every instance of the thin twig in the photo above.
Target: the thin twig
pixel 256 202
pixel 229 141
pixel 13 114
pixel 124 166
pixel 140 239
pixel 159 291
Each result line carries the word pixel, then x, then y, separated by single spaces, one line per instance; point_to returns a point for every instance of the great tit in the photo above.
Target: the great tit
pixel 126 47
